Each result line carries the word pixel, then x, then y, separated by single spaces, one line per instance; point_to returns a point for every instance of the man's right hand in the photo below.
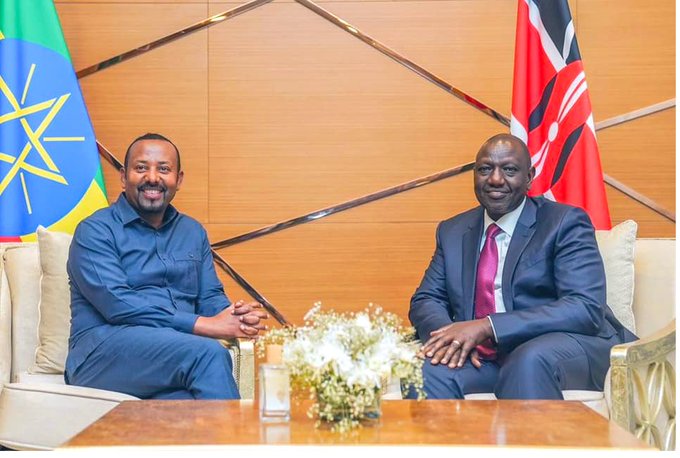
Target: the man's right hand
pixel 240 320
pixel 455 342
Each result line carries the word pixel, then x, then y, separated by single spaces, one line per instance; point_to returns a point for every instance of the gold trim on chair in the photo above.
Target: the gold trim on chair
pixel 643 387
pixel 244 365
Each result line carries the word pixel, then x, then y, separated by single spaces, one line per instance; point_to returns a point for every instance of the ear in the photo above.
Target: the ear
pixel 123 180
pixel 180 177
pixel 530 178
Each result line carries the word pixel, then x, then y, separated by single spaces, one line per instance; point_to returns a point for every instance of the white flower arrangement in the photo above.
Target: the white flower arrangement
pixel 343 361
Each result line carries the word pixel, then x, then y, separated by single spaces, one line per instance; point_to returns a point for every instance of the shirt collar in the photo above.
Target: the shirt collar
pixel 128 214
pixel 506 222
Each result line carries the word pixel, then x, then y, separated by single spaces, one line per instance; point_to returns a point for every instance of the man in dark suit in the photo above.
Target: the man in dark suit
pixel 514 299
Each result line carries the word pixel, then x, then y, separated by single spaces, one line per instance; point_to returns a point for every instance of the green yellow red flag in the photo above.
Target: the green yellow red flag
pixel 50 173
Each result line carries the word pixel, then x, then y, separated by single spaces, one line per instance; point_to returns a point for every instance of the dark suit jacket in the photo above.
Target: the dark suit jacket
pixel 553 280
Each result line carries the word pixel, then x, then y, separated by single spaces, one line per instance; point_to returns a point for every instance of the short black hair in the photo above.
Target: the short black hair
pixel 515 140
pixel 152 136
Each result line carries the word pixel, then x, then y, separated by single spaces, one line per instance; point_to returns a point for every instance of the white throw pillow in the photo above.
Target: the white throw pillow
pixel 617 247
pixel 55 303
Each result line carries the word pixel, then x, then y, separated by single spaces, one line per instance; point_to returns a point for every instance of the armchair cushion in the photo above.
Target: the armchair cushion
pixel 55 312
pixel 617 248
pixel 22 268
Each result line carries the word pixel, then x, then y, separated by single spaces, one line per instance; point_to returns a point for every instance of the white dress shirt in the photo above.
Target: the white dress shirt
pixel 507 224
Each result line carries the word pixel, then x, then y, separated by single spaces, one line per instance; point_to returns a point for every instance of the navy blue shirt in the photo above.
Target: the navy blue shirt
pixel 124 272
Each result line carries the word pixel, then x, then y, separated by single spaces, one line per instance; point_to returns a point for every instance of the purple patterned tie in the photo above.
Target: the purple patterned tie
pixel 485 302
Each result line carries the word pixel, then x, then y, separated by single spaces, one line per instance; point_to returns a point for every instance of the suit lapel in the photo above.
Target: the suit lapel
pixel 471 241
pixel 526 226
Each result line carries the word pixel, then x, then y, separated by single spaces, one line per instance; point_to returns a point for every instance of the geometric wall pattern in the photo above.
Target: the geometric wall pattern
pixel 279 113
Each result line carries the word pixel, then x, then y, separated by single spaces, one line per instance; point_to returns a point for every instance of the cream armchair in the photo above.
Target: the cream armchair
pixel 641 395
pixel 640 389
pixel 37 410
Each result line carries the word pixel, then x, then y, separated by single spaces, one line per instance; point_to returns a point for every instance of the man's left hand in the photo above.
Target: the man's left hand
pixel 242 307
pixel 453 343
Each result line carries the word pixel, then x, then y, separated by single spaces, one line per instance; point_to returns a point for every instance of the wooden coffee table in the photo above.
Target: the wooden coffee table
pixel 471 424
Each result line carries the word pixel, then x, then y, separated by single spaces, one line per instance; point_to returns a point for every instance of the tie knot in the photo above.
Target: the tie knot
pixel 492 231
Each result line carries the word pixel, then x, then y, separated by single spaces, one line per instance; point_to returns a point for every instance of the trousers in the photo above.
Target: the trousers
pixel 537 369
pixel 159 363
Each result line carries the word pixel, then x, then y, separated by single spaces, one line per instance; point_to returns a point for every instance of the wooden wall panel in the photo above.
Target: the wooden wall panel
pixel 279 113
pixel 162 91
pixel 96 32
pixel 628 49
pixel 650 224
pixel 642 155
pixel 324 119
pixel 345 266
pixel 430 203
pixel 136 2
pixel 459 41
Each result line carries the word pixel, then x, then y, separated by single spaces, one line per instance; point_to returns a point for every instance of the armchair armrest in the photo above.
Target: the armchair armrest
pixel 243 358
pixel 643 387
pixel 35 416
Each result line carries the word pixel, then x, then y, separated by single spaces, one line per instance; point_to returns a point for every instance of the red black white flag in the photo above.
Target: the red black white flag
pixel 551 109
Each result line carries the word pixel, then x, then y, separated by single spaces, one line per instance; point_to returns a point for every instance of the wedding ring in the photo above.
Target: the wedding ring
pixel 456 342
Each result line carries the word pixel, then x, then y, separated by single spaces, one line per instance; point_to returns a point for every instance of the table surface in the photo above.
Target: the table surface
pixel 431 422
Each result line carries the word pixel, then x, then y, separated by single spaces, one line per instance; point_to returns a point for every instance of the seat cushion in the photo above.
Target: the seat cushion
pixel 617 248
pixel 569 395
pixel 595 400
pixel 27 377
pixel 55 303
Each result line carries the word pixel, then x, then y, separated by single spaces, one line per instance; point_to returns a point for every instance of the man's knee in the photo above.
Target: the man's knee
pixel 527 358
pixel 535 369
pixel 213 350
pixel 441 382
pixel 209 373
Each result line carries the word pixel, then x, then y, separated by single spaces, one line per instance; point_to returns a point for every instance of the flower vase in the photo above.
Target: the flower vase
pixel 373 412
pixel 341 413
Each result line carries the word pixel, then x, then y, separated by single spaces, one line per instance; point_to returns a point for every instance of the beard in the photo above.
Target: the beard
pixel 155 203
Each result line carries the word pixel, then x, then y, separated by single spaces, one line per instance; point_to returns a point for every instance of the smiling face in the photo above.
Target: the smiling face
pixel 151 178
pixel 503 174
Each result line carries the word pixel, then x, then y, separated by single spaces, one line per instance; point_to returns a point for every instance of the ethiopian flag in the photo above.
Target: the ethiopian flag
pixel 50 173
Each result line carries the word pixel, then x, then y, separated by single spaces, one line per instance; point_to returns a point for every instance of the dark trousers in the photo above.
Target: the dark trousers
pixel 538 369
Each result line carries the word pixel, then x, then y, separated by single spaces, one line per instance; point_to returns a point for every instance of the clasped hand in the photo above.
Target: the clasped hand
pixel 240 320
pixel 453 343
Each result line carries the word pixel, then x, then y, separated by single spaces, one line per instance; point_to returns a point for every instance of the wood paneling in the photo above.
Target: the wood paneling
pixel 468 43
pixel 628 49
pixel 303 115
pixel 642 155
pixel 341 261
pixel 345 266
pixel 136 2
pixel 163 91
pixel 278 113
pixel 96 32
pixel 650 224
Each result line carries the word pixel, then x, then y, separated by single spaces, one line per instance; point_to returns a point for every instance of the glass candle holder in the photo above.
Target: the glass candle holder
pixel 274 392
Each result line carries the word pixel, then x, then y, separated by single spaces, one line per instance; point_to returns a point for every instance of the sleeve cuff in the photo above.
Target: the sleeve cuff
pixel 495 337
pixel 184 322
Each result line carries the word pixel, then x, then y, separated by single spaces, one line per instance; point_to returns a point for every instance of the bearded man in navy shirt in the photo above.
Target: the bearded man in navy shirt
pixel 146 303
